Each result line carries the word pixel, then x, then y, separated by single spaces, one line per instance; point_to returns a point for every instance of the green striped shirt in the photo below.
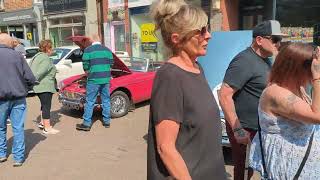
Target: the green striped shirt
pixel 97 61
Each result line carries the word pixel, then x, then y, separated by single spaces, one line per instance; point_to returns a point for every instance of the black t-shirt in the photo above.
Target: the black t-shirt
pixel 247 73
pixel 186 98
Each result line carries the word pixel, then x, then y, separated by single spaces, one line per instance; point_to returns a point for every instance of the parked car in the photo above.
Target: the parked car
pixel 31 52
pixel 124 57
pixel 128 86
pixel 68 61
pixel 225 139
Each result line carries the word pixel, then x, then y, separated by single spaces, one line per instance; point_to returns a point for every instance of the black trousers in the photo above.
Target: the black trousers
pixel 45 100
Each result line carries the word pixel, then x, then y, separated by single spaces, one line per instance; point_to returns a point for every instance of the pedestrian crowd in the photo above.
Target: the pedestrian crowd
pixel 272 122
pixel 17 79
pixel 272 118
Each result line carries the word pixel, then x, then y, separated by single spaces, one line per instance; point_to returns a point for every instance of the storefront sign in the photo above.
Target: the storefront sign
pixel 29 36
pixel 147 33
pixel 17 17
pixel 149 47
pixel 51 6
pixel 14 18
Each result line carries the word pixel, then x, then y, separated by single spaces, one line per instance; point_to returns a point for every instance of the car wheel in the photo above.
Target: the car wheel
pixel 120 104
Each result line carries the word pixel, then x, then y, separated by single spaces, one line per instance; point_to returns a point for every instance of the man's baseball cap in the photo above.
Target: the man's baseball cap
pixel 268 28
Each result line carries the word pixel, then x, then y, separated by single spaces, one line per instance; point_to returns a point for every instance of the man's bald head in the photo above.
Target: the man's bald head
pixel 5 39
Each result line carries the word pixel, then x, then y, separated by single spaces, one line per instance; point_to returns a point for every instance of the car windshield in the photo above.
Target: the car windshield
pixel 138 64
pixel 58 54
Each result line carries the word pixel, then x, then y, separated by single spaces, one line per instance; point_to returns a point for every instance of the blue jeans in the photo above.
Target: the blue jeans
pixel 17 110
pixel 91 96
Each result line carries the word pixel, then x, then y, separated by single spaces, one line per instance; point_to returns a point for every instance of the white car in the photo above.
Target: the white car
pixel 30 52
pixel 225 140
pixel 68 61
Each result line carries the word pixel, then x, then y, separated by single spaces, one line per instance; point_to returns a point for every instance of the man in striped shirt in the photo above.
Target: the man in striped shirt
pixel 97 62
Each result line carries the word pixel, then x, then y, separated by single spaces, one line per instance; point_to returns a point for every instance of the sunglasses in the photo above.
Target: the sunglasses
pixel 274 39
pixel 203 31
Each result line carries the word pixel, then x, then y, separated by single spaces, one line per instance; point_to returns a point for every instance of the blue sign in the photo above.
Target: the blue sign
pixel 222 48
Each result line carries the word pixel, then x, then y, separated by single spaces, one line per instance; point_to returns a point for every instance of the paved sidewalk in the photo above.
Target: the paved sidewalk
pixel 117 153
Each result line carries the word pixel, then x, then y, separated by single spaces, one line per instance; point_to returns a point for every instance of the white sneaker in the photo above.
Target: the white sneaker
pixel 8 122
pixel 50 131
pixel 40 126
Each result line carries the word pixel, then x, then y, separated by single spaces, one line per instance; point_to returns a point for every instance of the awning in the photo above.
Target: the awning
pixel 17 17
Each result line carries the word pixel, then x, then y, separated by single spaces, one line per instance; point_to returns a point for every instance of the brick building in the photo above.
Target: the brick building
pixel 21 19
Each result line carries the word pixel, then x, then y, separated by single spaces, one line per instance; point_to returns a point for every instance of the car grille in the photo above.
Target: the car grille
pixel 72 95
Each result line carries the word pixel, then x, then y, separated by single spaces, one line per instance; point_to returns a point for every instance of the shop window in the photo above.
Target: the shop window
pixel 304 17
pixel 54 21
pixel 78 19
pixel 79 30
pixel 67 20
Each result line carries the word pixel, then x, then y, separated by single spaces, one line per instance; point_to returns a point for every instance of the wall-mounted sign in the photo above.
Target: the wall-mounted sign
pixel 51 6
pixel 29 36
pixel 147 33
pixel 17 17
pixel 149 47
pixel 14 18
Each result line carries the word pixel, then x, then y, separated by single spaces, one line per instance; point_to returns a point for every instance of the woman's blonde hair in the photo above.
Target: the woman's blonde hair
pixel 176 16
pixel 44 45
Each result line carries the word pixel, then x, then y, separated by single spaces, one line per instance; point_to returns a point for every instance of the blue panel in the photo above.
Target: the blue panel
pixel 221 49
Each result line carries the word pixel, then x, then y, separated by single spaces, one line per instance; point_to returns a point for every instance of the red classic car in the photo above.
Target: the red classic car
pixel 128 86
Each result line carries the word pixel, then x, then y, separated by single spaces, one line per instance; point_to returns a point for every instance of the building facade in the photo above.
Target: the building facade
pixel 69 18
pixel 300 19
pixel 21 19
pixel 125 25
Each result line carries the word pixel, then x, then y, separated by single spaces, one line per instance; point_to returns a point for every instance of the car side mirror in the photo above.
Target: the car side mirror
pixel 67 62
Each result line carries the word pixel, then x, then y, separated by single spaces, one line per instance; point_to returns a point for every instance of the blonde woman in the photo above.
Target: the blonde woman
pixel 44 71
pixel 184 136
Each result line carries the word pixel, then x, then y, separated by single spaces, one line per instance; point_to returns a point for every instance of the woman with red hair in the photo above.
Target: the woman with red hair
pixel 286 146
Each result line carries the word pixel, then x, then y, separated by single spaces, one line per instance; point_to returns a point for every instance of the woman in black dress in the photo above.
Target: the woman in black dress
pixel 184 136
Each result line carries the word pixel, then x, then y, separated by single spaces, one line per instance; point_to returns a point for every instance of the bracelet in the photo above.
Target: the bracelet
pixel 237 129
pixel 315 79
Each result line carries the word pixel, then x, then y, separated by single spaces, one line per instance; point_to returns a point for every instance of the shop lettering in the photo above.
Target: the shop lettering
pixel 147 33
pixel 14 18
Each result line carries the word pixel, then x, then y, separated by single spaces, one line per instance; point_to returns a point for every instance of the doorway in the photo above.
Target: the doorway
pixel 118 38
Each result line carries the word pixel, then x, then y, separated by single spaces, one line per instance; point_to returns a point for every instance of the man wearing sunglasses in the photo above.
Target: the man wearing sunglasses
pixel 244 81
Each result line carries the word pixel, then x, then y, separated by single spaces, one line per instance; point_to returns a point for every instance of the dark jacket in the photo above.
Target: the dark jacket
pixel 16 77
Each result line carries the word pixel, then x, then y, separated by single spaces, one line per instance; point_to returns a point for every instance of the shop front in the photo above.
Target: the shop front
pixel 21 24
pixel 69 18
pixel 145 42
pixel 299 19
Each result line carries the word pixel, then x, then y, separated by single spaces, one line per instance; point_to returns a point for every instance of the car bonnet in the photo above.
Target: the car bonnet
pixel 83 42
